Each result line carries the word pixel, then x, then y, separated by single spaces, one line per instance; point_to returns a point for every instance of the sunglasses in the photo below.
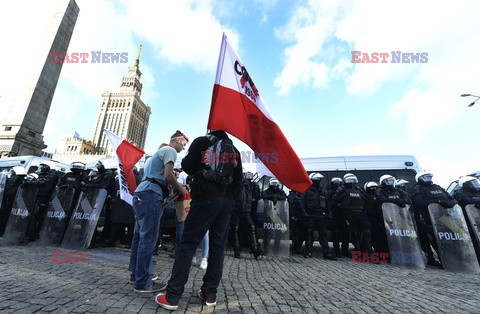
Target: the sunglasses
pixel 183 134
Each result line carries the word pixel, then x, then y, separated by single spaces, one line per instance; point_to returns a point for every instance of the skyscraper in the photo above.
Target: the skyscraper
pixel 21 132
pixel 123 113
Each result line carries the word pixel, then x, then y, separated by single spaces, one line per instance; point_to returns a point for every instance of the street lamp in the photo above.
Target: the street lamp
pixel 466 95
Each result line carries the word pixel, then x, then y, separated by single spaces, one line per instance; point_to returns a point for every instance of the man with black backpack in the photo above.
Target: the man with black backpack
pixel 217 180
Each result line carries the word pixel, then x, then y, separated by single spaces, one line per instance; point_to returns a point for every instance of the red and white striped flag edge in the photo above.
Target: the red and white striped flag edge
pixel 127 156
pixel 238 108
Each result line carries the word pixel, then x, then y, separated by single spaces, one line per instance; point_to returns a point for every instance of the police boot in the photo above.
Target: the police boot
pixel 325 249
pixel 255 250
pixel 308 244
pixel 336 243
pixel 236 244
pixel 356 241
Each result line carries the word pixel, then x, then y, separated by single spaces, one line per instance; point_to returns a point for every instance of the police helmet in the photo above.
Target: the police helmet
pixel 274 182
pixel 469 182
pixel 387 180
pixel 424 177
pixel 248 175
pixel 99 166
pixel 370 185
pixel 43 169
pixel 77 166
pixel 315 176
pixel 401 182
pixel 19 171
pixel 350 178
pixel 93 172
pixel 31 176
pixel 336 180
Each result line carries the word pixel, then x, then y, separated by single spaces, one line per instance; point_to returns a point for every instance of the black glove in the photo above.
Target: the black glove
pixel 477 205
pixel 400 203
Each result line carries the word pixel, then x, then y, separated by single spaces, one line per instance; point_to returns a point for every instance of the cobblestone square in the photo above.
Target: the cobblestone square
pixel 30 282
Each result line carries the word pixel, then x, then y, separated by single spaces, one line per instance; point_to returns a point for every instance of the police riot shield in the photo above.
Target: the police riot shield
pixel 23 208
pixel 122 212
pixel 58 214
pixel 402 236
pixel 83 222
pixel 473 222
pixel 3 180
pixel 276 232
pixel 453 239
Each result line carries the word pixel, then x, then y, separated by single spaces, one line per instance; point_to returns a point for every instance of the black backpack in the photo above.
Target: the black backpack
pixel 220 159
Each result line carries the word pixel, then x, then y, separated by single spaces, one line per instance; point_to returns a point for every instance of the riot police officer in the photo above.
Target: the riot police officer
pixel 275 194
pixel 242 214
pixel 296 226
pixel 374 214
pixel 469 192
pixel 388 192
pixel 314 205
pixel 339 228
pixel 14 179
pixel 425 192
pixel 75 179
pixel 45 179
pixel 351 200
pixel 101 178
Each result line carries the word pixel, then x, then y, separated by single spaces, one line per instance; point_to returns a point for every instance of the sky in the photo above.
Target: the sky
pixel 299 55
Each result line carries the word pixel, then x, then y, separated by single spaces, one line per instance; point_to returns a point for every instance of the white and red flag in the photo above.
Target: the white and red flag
pixel 127 156
pixel 238 108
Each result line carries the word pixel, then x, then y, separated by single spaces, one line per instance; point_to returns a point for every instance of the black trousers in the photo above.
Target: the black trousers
pixel 214 215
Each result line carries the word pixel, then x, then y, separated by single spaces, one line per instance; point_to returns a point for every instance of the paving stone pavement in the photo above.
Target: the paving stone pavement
pixel 30 282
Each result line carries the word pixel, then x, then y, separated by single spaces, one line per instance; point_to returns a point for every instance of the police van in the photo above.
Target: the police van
pixel 30 163
pixel 366 168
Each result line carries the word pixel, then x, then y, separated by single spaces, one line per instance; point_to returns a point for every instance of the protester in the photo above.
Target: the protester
pixel 211 207
pixel 147 207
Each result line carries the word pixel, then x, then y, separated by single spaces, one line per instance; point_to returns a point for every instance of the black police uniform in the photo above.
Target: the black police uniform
pixel 386 194
pixel 274 194
pixel 46 183
pixel 295 216
pixel 103 179
pixel 11 186
pixel 424 194
pixel 314 204
pixel 242 214
pixel 351 200
pixel 340 229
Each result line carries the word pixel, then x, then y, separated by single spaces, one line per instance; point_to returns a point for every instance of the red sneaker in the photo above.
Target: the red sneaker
pixel 161 299
pixel 204 299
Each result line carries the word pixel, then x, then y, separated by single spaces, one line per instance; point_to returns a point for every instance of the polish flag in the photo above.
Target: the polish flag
pixel 127 156
pixel 238 108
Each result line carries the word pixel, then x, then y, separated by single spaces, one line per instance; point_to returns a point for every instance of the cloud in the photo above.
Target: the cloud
pixel 182 32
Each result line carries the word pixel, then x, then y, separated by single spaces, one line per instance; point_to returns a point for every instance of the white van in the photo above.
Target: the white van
pixel 30 163
pixel 366 168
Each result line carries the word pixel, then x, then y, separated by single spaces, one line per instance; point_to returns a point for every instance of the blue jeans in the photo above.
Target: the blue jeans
pixel 212 214
pixel 205 245
pixel 147 208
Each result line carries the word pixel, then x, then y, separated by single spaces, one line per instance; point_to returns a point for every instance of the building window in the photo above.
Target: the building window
pixel 8 128
pixel 31 133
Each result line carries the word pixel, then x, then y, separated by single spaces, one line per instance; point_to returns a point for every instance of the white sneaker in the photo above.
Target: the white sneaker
pixel 194 260
pixel 203 263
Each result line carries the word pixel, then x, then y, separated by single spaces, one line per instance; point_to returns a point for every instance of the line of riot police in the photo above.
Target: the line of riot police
pixel 54 208
pixel 385 218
